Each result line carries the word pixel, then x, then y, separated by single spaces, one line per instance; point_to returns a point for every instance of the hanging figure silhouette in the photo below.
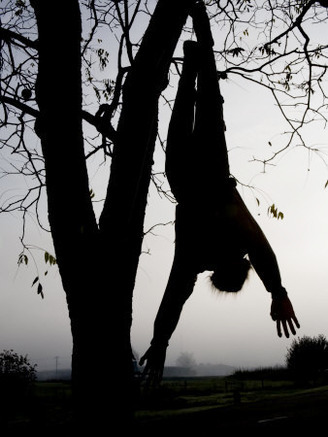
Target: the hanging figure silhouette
pixel 214 229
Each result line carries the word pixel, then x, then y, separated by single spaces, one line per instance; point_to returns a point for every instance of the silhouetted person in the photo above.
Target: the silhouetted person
pixel 214 229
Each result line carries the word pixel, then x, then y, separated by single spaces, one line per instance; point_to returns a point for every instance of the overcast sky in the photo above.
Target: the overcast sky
pixel 234 330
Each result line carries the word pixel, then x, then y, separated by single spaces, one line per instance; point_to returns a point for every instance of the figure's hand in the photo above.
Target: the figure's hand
pixel 282 313
pixel 155 357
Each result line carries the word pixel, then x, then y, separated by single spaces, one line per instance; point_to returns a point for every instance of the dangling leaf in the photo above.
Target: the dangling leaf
pixel 22 259
pixel 39 291
pixel 273 211
pixel 48 258
pixel 35 280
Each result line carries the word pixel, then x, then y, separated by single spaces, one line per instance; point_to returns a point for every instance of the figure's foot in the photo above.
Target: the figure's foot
pixel 191 56
pixel 201 24
pixel 191 49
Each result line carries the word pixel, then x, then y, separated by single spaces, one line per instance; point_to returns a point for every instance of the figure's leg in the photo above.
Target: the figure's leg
pixel 209 128
pixel 180 286
pixel 181 123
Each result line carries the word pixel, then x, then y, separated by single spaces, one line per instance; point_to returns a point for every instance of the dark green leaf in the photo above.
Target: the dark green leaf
pixel 39 291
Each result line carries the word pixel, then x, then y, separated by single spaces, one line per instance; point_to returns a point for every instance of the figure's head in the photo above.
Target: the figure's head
pixel 230 276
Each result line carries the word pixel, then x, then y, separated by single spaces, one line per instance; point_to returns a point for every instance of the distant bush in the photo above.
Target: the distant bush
pixel 17 376
pixel 16 368
pixel 307 358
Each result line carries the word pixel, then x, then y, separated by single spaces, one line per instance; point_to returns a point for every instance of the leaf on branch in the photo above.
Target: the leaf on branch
pixel 273 211
pixel 236 51
pixel 40 290
pixel 48 258
pixel 35 280
pixel 22 259
pixel 266 49
pixel 40 287
pixel 103 56
pixel 20 4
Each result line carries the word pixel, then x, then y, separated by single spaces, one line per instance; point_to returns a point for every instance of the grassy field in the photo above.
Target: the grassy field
pixel 196 406
pixel 48 406
pixel 201 406
pixel 202 393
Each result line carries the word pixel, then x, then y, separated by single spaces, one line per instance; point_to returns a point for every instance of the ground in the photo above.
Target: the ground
pixel 294 414
pixel 264 412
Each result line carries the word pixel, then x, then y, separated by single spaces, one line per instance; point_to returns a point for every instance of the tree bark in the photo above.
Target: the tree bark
pixel 98 264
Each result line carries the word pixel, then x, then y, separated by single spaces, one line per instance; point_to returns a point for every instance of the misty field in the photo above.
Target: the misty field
pixel 196 406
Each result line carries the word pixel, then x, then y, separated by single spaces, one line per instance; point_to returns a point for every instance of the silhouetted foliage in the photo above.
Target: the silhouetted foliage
pixel 17 376
pixel 307 358
pixel 16 368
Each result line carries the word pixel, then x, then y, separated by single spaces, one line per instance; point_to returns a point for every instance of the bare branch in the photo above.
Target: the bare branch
pixel 15 38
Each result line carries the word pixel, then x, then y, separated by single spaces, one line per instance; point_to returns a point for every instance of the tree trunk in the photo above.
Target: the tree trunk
pixel 98 264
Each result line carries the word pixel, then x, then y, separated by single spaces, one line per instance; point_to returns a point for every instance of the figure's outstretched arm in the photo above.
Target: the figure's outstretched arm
pixel 179 287
pixel 266 266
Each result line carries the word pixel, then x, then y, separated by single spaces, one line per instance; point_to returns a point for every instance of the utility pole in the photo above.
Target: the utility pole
pixel 56 358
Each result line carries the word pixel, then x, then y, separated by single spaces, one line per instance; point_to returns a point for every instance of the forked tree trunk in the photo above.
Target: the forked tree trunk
pixel 98 263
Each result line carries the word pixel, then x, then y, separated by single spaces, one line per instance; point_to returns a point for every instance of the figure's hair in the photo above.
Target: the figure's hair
pixel 230 277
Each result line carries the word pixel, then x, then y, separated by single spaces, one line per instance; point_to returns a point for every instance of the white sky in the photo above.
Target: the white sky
pixel 233 330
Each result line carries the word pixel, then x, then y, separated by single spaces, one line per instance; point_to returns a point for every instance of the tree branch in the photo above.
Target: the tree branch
pixel 13 37
pixel 20 105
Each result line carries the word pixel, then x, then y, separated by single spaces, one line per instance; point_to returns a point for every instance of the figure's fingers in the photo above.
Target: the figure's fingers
pixel 279 328
pixel 145 372
pixel 291 326
pixel 296 321
pixel 153 378
pixel 285 327
pixel 158 378
pixel 144 358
